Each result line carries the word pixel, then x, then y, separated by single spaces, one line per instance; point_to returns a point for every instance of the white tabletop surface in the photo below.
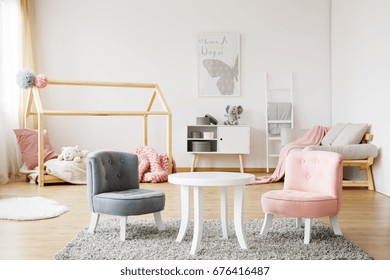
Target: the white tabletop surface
pixel 211 178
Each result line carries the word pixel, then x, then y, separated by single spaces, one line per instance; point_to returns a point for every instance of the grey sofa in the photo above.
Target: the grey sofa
pixel 350 140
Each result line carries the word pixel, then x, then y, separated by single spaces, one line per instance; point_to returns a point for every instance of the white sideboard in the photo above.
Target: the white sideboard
pixel 218 139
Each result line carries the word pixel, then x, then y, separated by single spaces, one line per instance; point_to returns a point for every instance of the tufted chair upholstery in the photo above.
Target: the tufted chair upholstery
pixel 113 189
pixel 312 189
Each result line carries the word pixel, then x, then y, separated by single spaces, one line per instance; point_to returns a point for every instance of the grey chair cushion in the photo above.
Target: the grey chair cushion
pixel 129 202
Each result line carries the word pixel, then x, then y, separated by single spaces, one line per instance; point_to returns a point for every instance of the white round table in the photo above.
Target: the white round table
pixel 199 180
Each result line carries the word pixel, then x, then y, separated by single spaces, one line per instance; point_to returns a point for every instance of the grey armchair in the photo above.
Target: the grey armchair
pixel 113 189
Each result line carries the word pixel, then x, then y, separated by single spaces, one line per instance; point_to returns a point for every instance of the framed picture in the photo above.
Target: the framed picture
pixel 219 64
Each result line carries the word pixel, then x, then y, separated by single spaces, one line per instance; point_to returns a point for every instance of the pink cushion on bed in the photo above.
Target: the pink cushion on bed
pixel 28 144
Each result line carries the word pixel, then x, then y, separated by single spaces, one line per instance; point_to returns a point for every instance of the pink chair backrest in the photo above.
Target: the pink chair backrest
pixel 318 171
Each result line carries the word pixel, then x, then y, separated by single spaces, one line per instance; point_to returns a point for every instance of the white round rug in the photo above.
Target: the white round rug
pixel 30 208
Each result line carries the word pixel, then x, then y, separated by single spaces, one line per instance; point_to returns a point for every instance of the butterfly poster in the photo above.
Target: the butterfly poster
pixel 219 64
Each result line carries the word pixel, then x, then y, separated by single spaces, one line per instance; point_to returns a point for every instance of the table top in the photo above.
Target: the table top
pixel 211 178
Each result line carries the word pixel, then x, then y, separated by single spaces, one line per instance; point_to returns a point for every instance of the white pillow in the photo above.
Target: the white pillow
pixel 332 134
pixel 351 134
pixel 344 134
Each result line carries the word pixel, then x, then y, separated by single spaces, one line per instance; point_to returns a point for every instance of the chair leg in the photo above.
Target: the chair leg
pixel 123 222
pixel 307 231
pixel 158 220
pixel 335 225
pixel 93 223
pixel 267 223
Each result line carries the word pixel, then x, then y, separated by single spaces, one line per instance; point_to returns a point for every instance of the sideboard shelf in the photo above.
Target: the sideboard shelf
pixel 218 139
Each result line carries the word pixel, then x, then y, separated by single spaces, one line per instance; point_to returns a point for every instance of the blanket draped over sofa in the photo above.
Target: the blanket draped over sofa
pixel 312 137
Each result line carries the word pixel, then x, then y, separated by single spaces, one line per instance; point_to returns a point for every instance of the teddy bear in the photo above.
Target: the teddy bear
pixel 72 154
pixel 233 114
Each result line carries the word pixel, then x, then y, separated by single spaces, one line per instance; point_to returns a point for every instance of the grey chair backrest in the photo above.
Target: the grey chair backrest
pixel 109 171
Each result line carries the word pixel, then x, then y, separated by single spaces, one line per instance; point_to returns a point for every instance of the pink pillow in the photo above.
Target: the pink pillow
pixel 28 144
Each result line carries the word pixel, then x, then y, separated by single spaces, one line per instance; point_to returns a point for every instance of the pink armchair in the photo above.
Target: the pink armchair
pixel 312 189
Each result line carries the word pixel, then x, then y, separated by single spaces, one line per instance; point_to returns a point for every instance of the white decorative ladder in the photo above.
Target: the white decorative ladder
pixel 272 92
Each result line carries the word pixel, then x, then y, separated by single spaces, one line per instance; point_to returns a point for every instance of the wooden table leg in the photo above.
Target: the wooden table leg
pixel 193 162
pixel 241 163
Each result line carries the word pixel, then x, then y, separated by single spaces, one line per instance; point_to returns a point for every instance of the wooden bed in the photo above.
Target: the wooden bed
pixel 34 108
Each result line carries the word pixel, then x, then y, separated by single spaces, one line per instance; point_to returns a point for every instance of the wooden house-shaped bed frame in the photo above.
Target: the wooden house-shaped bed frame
pixel 34 98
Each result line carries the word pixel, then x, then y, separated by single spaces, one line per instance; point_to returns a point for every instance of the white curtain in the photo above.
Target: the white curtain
pixel 10 63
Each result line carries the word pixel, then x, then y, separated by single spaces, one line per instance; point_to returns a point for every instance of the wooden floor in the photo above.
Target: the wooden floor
pixel 364 218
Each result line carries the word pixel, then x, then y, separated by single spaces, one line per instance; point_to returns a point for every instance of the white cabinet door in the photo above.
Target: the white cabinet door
pixel 234 139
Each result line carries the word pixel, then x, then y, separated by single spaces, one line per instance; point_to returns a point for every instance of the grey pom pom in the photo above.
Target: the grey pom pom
pixel 25 78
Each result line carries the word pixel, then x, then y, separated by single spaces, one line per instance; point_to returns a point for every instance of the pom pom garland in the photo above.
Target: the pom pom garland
pixel 40 81
pixel 26 78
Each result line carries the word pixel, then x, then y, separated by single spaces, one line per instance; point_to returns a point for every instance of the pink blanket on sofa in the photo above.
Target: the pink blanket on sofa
pixel 312 137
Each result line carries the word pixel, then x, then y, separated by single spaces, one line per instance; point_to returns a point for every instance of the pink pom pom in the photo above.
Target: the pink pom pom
pixel 40 81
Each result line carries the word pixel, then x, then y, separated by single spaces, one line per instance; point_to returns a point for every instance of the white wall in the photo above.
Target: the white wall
pixel 361 71
pixel 155 41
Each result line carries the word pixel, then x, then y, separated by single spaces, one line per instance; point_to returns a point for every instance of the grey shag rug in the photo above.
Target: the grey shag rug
pixel 145 242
